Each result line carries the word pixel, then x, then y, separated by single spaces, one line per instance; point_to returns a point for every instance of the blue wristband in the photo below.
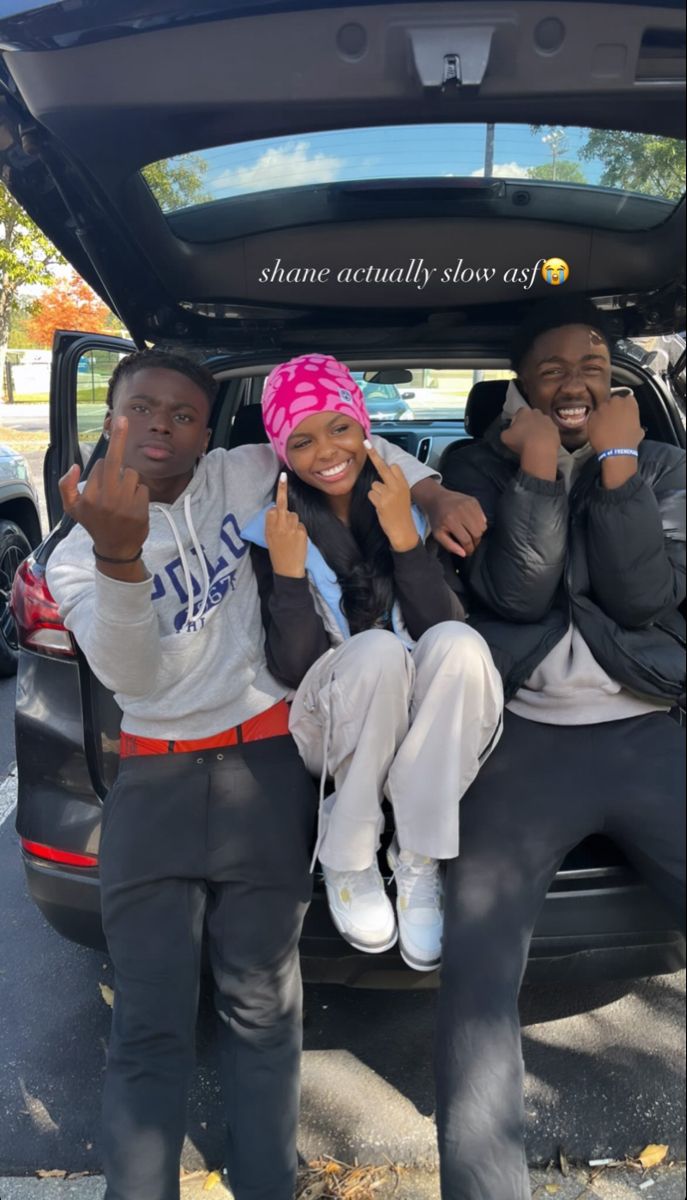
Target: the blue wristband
pixel 619 453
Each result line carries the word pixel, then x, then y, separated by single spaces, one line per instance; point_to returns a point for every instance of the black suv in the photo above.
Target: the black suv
pixel 20 531
pixel 375 181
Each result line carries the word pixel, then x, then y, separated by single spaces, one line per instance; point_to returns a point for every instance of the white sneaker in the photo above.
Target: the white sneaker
pixel 419 907
pixel 361 909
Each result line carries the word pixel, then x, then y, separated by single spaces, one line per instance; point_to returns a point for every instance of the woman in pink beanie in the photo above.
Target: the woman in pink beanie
pixel 394 694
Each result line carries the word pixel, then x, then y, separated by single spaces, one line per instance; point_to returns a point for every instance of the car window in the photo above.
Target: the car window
pixel 581 158
pixel 431 394
pixel 438 394
pixel 94 369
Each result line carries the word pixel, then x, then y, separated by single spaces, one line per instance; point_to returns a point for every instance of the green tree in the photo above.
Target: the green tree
pixel 178 182
pixel 19 335
pixel 26 257
pixel 565 172
pixel 638 162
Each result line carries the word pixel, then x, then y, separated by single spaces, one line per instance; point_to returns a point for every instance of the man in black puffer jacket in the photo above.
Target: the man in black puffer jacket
pixel 577 587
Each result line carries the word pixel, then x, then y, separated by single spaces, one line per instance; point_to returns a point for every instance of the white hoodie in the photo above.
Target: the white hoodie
pixel 183 651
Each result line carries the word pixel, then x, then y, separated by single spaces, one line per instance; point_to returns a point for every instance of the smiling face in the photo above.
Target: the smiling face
pixel 326 451
pixel 168 428
pixel 565 373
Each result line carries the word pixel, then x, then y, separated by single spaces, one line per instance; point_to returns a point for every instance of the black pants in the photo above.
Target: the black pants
pixel 544 789
pixel 221 838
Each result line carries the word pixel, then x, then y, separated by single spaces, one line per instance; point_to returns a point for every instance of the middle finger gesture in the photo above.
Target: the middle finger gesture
pixel 287 539
pixel 390 496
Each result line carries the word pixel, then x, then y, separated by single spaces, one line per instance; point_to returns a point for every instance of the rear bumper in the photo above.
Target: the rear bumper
pixel 69 899
pixel 598 922
pixel 582 936
pixel 587 935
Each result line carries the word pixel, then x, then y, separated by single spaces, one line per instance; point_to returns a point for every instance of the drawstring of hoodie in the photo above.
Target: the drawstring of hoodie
pixel 201 559
pixel 323 783
pixel 188 579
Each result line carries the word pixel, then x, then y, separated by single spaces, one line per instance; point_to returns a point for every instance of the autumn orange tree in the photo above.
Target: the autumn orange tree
pixel 69 304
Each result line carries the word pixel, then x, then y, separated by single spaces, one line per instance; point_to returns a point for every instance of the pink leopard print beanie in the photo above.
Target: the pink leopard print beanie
pixel 309 384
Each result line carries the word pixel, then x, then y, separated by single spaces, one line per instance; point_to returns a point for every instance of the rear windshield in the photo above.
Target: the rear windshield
pixel 596 159
pixel 429 394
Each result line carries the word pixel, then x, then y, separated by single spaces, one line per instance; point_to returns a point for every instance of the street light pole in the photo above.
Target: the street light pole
pixel 489 152
pixel 558 145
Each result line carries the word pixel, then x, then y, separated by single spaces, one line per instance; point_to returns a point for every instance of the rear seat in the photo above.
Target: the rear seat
pixel 485 402
pixel 247 428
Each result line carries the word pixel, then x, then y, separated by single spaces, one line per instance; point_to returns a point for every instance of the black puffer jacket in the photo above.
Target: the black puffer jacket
pixel 612 561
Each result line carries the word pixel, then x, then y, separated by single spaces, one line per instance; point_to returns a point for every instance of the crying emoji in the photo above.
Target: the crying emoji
pixel 555 271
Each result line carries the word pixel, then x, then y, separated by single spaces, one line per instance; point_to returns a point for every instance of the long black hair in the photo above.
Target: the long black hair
pixel 359 554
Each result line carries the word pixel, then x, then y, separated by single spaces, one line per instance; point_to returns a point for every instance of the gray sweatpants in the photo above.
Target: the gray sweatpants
pixel 219 838
pixel 415 726
pixel 545 789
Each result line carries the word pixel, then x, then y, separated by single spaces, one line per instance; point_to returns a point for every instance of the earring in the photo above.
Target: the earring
pixel 106 435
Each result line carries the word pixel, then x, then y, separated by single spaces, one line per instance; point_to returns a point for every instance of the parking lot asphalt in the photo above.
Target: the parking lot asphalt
pixel 665 1183
pixel 605 1068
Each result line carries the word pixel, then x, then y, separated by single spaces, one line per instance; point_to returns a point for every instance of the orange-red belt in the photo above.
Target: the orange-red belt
pixel 272 723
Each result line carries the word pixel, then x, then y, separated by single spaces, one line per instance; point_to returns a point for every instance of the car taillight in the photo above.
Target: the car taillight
pixel 52 854
pixel 36 615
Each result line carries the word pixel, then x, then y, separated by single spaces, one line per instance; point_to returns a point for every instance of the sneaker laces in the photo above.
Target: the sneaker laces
pixel 417 881
pixel 358 883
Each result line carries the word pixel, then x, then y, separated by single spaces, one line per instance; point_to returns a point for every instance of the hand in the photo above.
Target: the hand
pixel 457 520
pixel 287 539
pixel 390 496
pixel 536 441
pixel 614 424
pixel 533 430
pixel 113 506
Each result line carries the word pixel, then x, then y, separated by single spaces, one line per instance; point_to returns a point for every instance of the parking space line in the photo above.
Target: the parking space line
pixel 8 797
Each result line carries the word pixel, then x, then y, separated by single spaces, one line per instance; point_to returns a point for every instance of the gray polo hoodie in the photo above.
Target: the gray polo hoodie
pixel 183 651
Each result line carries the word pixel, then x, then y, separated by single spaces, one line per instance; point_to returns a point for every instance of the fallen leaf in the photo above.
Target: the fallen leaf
pixel 314 1191
pixel 212 1180
pixel 51 1174
pixel 107 994
pixel 552 1189
pixel 563 1162
pixel 652 1155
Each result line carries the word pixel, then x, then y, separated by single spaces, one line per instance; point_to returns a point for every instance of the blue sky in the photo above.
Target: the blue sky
pixel 408 151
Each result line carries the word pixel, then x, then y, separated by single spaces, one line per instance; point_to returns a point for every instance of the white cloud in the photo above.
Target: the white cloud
pixel 291 166
pixel 511 170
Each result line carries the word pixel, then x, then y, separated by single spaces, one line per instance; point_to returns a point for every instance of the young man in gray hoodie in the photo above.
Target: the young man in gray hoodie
pixel 211 817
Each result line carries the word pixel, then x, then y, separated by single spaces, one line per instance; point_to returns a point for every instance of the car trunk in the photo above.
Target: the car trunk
pixel 240 386
pixel 92 95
